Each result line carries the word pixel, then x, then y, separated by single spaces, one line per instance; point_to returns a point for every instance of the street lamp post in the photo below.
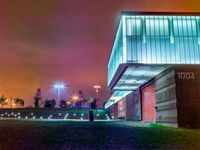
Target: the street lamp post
pixel 97 87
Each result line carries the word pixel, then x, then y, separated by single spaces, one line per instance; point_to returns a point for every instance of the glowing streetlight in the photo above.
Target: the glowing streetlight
pixel 58 86
pixel 68 103
pixel 97 87
pixel 75 97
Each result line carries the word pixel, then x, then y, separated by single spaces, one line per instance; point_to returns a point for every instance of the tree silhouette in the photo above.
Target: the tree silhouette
pixel 50 103
pixel 63 104
pixel 3 101
pixel 19 102
pixel 93 104
pixel 22 102
pixel 90 100
pixel 36 102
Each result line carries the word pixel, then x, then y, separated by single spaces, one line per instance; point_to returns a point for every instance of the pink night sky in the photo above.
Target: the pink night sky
pixel 42 41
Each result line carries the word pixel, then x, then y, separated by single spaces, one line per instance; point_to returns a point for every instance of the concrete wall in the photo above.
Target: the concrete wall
pixel 122 109
pixel 128 108
pixel 166 107
pixel 113 111
pixel 178 96
pixel 133 105
pixel 188 96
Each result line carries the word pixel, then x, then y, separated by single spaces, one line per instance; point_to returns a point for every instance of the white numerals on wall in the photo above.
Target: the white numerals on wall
pixel 186 75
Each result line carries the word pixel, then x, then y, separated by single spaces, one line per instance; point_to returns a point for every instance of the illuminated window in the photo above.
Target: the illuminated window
pixel 185 27
pixel 157 27
pixel 134 26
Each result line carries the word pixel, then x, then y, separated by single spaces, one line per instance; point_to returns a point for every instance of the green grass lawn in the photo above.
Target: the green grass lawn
pixel 42 135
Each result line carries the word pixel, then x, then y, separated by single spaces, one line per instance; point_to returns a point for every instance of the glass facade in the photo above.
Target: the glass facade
pixel 151 39
pixel 116 97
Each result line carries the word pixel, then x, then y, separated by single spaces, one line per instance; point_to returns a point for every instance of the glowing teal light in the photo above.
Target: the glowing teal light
pixel 149 39
pixel 124 38
pixel 116 96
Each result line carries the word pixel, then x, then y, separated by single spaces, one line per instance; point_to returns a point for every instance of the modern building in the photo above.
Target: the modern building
pixel 154 68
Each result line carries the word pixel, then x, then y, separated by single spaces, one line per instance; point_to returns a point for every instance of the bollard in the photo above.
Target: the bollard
pixel 90 115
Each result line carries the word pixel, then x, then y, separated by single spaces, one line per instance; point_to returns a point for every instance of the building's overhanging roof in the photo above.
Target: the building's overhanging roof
pixel 129 77
pixel 116 96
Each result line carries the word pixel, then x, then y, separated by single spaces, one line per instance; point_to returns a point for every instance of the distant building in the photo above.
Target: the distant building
pixel 154 68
